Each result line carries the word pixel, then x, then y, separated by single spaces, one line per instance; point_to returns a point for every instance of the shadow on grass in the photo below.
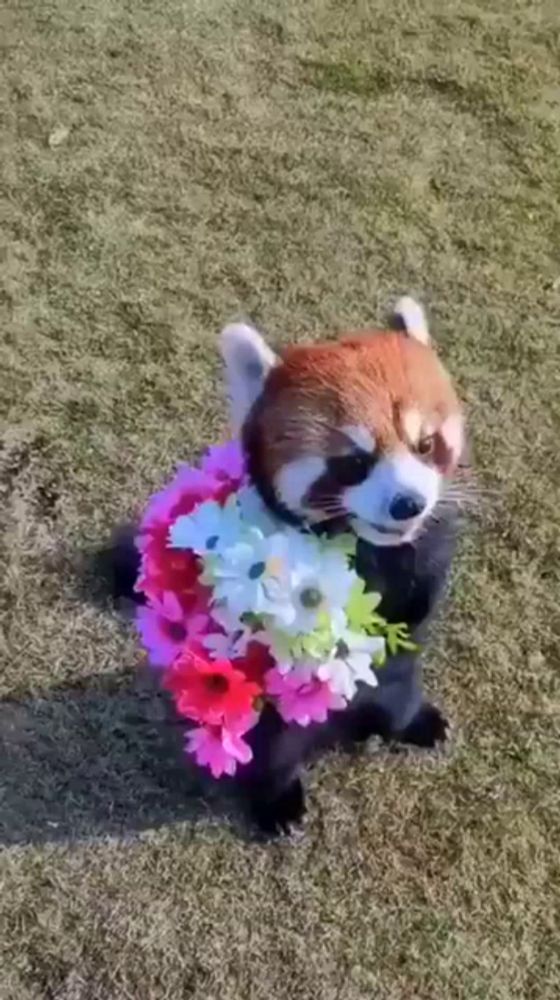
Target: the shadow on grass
pixel 98 759
pixel 101 757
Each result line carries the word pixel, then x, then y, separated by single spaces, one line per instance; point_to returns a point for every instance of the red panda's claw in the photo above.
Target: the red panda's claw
pixel 283 815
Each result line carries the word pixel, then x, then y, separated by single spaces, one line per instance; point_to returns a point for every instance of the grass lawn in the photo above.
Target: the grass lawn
pixel 168 165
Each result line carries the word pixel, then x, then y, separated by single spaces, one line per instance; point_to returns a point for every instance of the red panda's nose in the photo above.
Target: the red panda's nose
pixel 405 506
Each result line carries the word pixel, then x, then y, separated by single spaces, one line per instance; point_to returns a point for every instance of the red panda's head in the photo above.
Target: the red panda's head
pixel 367 428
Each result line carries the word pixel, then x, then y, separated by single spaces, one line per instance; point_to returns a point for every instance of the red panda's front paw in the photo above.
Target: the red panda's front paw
pixel 282 815
pixel 428 728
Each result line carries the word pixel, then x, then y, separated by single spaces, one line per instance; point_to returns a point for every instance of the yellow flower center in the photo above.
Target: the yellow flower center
pixel 274 566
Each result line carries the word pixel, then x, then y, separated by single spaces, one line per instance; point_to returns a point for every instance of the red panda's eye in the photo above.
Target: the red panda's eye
pixel 349 470
pixel 426 445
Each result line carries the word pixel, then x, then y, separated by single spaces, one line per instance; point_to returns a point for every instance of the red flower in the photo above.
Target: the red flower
pixel 210 691
pixel 172 570
pixel 255 662
pixel 166 570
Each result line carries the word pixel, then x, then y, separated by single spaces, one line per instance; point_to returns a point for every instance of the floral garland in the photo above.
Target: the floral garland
pixel 240 610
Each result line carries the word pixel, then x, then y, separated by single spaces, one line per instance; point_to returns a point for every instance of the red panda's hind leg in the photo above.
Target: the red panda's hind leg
pixel 428 728
pixel 282 813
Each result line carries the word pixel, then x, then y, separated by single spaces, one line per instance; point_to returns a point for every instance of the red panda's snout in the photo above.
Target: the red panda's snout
pixel 367 429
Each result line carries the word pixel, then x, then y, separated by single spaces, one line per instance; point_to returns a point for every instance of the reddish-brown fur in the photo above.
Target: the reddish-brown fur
pixel 369 380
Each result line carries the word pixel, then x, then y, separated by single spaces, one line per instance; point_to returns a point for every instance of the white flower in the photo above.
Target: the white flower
pixel 230 645
pixel 223 617
pixel 209 529
pixel 253 512
pixel 351 662
pixel 293 579
pixel 320 583
pixel 278 643
pixel 251 576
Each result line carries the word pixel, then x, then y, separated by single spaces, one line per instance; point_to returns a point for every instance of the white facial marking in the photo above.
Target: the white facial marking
pixel 370 501
pixel 412 424
pixel 407 474
pixel 413 319
pixel 248 360
pixel 360 436
pixel 377 537
pixel 295 479
pixel 452 433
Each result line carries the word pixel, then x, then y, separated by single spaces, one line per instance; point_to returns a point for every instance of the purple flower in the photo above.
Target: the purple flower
pixel 164 629
pixel 225 461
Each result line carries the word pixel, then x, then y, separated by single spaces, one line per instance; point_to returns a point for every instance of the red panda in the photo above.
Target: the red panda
pixel 367 428
pixel 363 433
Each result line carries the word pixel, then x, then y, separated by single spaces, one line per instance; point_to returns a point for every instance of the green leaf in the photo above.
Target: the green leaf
pixel 346 543
pixel 316 645
pixel 392 643
pixel 253 621
pixel 380 658
pixel 323 623
pixel 360 610
pixel 408 644
pixel 281 644
pixel 398 637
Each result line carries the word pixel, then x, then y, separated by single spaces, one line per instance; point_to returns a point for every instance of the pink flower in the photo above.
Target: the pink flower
pixel 221 748
pixel 301 697
pixel 164 629
pixel 189 487
pixel 163 568
pixel 225 461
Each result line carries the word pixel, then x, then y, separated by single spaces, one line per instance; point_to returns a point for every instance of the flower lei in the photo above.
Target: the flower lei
pixel 241 610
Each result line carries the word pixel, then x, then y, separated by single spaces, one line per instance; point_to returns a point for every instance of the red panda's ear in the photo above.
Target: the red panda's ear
pixel 410 315
pixel 248 360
